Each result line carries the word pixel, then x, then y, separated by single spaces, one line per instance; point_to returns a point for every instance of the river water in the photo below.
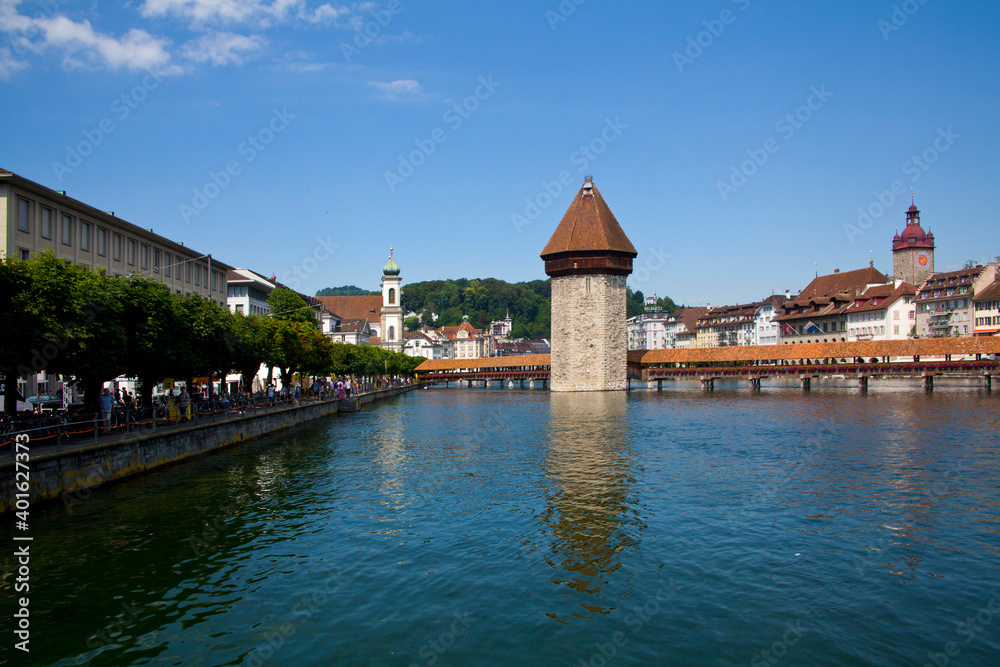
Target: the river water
pixel 517 527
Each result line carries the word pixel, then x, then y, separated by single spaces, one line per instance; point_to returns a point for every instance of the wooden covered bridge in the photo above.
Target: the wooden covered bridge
pixel 925 358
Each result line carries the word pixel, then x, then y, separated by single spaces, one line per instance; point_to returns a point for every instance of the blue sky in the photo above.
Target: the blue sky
pixel 735 140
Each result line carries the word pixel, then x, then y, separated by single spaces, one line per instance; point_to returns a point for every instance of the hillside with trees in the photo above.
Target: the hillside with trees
pixel 487 299
pixel 346 290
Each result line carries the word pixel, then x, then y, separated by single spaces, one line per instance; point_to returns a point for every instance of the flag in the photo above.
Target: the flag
pixel 788 329
pixel 812 328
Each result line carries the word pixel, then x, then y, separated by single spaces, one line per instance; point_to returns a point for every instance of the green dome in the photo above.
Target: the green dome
pixel 391 268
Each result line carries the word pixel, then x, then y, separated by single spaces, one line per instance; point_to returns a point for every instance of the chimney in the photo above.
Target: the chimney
pixel 788 294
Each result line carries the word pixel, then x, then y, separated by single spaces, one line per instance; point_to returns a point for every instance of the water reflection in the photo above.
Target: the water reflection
pixel 589 514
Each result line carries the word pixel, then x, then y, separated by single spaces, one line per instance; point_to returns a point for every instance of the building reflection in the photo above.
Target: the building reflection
pixel 590 516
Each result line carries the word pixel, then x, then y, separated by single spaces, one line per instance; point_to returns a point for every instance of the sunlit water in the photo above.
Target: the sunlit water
pixel 516 527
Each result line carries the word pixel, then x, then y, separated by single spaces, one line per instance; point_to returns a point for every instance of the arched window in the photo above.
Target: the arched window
pixel 392 330
pixel 392 295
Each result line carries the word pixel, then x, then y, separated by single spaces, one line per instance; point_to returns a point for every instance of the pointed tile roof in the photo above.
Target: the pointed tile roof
pixel 588 226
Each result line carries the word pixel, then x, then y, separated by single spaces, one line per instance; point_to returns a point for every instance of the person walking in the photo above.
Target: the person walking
pixel 347 387
pixel 270 394
pixel 107 402
pixel 183 401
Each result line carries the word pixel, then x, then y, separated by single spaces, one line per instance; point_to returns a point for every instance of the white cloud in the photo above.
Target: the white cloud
pixel 8 64
pixel 10 20
pixel 401 90
pixel 223 48
pixel 82 46
pixel 259 12
pixel 301 62
pixel 137 50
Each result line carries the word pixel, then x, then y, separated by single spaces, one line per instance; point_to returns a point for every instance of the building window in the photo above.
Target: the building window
pixel 197 274
pixel 102 241
pixel 48 215
pixel 131 251
pixel 239 308
pixel 144 256
pixel 67 229
pixel 24 254
pixel 116 247
pixel 156 260
pixel 187 271
pixel 166 264
pixel 23 215
pixel 85 236
pixel 392 296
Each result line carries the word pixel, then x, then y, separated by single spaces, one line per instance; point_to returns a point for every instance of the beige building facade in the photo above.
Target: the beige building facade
pixel 38 219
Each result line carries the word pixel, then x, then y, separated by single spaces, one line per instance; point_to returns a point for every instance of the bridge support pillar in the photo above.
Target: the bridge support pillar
pixel 863 382
pixel 806 383
pixel 708 384
pixel 659 385
pixel 928 383
pixel 988 382
pixel 755 384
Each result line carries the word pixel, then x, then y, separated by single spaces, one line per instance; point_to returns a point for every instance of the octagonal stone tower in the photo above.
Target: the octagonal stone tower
pixel 588 258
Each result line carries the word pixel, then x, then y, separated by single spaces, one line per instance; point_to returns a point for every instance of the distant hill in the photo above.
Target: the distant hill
pixel 487 299
pixel 484 300
pixel 346 290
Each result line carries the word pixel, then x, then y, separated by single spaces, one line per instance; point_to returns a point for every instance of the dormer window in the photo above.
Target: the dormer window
pixel 912 239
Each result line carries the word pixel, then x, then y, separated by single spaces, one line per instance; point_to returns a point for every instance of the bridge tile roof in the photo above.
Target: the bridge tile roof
pixel 924 347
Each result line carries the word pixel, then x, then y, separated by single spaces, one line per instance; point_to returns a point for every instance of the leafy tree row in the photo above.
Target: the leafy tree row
pixel 66 319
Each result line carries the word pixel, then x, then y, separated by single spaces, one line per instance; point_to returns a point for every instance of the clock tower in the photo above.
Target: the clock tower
pixel 392 308
pixel 913 250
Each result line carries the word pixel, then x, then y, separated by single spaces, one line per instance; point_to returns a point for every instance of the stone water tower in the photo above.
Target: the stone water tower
pixel 588 258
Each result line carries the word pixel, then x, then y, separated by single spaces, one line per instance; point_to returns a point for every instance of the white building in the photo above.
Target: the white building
pixel 502 328
pixel 766 330
pixel 247 292
pixel 420 344
pixel 883 312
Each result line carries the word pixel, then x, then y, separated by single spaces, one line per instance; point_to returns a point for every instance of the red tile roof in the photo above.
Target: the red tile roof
pixel 991 292
pixel 484 363
pixel 354 307
pixel 847 281
pixel 925 347
pixel 589 226
pixel 886 295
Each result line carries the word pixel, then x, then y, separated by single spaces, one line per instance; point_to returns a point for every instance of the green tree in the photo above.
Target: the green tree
pixel 412 323
pixel 288 306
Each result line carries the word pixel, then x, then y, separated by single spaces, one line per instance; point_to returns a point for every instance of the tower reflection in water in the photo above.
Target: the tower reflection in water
pixel 590 516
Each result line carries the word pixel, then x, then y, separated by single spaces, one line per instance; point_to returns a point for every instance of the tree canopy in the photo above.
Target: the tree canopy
pixel 66 319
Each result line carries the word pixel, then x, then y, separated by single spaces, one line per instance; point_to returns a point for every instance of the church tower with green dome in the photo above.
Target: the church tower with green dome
pixel 392 308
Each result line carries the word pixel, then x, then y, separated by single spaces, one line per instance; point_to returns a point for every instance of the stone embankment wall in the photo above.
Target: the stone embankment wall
pixel 53 472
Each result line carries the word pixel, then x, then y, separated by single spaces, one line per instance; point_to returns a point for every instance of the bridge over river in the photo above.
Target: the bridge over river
pixel 925 358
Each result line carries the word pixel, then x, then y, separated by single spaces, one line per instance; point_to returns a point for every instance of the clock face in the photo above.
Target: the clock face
pixel 922 259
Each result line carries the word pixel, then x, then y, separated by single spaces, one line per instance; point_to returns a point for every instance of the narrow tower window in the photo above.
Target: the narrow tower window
pixel 392 333
pixel 392 296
